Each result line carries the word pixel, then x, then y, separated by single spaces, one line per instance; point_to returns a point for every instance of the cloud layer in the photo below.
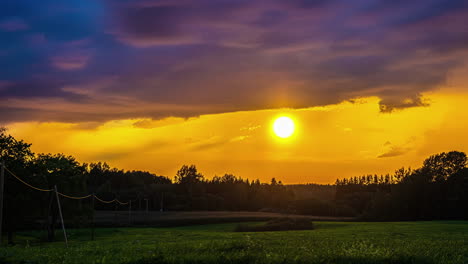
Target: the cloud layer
pixel 100 60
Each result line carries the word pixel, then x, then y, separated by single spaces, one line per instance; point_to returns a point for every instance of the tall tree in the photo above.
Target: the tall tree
pixel 15 153
pixel 17 156
pixel 69 176
pixel 440 166
pixel 188 175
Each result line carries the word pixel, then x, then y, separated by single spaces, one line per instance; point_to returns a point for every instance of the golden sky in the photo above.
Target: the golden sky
pixel 155 84
pixel 340 140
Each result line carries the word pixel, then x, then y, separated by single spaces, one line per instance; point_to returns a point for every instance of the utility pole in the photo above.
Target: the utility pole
pixel 61 216
pixel 2 183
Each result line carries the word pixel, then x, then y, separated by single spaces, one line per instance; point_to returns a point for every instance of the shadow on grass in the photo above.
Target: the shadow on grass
pixel 249 258
pixel 334 225
pixel 280 224
pixel 386 260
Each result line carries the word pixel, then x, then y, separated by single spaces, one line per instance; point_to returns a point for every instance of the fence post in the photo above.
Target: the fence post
pixel 61 216
pixel 50 227
pixel 92 220
pixel 130 212
pixel 2 183
pixel 116 220
pixel 161 204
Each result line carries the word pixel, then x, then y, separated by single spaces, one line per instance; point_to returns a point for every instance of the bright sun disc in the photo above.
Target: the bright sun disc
pixel 283 127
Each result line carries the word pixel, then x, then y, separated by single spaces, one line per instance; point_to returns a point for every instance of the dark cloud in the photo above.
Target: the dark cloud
pixel 394 152
pixel 159 58
pixel 308 3
pixel 147 23
pixel 38 88
pixel 389 105
pixel 154 24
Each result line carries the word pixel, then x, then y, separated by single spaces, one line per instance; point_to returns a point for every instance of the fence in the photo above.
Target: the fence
pixel 92 196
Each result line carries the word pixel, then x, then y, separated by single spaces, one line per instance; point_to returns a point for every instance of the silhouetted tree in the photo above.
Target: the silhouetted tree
pixel 273 181
pixel 437 190
pixel 69 176
pixel 188 175
pixel 402 173
pixel 440 166
pixel 17 156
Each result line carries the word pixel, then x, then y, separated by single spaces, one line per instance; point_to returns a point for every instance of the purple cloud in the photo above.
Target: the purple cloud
pixel 195 57
pixel 74 56
pixel 70 61
pixel 13 24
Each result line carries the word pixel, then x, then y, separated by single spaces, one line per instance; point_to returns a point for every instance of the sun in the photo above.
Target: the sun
pixel 283 127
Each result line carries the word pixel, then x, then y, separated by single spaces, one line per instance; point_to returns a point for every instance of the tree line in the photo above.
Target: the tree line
pixel 24 207
pixel 437 190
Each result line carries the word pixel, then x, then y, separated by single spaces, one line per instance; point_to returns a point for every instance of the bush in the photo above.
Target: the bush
pixel 278 224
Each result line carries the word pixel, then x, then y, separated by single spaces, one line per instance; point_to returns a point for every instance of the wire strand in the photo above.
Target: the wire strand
pixel 121 203
pixel 102 201
pixel 64 195
pixel 25 183
pixel 75 197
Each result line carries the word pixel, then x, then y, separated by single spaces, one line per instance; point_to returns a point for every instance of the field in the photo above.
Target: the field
pixel 179 218
pixel 330 242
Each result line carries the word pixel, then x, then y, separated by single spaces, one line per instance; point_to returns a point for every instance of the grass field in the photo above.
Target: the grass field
pixel 179 218
pixel 330 242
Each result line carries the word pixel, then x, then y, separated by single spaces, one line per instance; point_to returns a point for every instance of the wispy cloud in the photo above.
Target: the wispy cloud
pixel 13 24
pixel 394 150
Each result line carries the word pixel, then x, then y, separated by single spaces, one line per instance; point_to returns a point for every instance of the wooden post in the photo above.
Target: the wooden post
pixel 161 204
pixel 92 221
pixel 50 227
pixel 2 183
pixel 130 212
pixel 146 205
pixel 61 216
pixel 115 212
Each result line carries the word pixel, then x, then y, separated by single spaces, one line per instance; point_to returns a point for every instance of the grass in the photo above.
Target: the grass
pixel 180 218
pixel 277 224
pixel 330 242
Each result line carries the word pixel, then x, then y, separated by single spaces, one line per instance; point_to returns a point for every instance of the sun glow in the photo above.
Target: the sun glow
pixel 283 127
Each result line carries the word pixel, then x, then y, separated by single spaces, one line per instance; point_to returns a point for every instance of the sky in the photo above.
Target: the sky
pixel 151 84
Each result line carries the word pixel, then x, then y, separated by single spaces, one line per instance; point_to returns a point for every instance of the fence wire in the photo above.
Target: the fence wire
pixel 25 183
pixel 65 195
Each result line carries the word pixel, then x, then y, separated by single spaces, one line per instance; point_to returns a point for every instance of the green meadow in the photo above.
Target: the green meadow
pixel 329 242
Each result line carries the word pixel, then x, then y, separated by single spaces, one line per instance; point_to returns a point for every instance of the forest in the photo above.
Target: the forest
pixel 436 190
